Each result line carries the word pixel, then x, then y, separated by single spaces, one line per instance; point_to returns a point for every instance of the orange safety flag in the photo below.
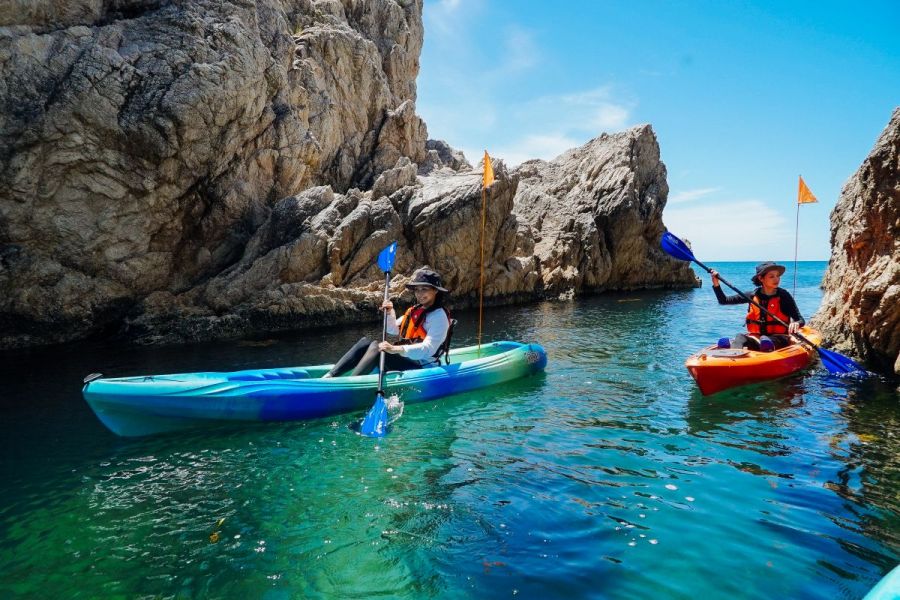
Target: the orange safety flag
pixel 488 171
pixel 804 196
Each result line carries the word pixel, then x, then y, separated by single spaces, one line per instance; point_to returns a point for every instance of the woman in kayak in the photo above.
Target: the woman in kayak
pixel 424 331
pixel 763 332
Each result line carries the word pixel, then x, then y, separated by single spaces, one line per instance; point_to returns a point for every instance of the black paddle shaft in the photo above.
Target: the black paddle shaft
pixel 756 304
pixel 387 284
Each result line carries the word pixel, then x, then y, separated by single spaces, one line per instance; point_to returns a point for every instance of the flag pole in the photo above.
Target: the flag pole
pixel 487 179
pixel 804 196
pixel 796 242
pixel 481 278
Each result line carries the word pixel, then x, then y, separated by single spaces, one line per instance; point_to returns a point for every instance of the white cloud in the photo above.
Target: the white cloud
pixel 590 112
pixel 543 127
pixel 545 146
pixel 446 18
pixel 521 52
pixel 689 195
pixel 737 230
pixel 471 107
pixel 610 116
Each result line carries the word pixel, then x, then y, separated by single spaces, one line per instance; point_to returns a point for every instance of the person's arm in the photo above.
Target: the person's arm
pixel 436 326
pixel 393 325
pixel 789 307
pixel 723 299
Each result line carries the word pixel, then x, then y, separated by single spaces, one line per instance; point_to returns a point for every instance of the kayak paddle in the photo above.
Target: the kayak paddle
pixel 834 362
pixel 376 420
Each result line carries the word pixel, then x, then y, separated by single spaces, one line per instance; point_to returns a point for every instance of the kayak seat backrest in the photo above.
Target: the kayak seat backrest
pixel 268 375
pixel 444 349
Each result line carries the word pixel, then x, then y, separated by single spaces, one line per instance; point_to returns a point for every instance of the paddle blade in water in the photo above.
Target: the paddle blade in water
pixel 675 247
pixel 376 421
pixel 386 258
pixel 838 363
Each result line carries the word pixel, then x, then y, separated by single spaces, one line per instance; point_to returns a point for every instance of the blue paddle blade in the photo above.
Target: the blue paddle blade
pixel 675 247
pixel 838 363
pixel 386 258
pixel 376 421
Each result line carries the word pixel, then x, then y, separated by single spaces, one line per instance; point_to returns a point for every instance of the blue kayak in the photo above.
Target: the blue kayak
pixel 132 406
pixel 886 589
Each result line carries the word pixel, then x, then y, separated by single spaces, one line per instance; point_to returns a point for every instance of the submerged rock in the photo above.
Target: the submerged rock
pixel 860 313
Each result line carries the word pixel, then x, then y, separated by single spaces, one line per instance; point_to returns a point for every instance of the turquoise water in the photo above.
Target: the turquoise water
pixel 608 477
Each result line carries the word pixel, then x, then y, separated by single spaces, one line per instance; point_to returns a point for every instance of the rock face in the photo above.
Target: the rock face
pixel 206 169
pixel 596 215
pixel 143 143
pixel 588 221
pixel 860 313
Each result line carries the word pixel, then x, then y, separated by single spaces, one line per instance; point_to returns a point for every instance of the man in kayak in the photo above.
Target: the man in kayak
pixel 763 332
pixel 424 331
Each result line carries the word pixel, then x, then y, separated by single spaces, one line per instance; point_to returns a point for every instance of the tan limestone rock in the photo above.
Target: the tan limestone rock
pixel 860 313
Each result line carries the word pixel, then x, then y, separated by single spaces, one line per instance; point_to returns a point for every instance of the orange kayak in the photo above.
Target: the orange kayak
pixel 716 369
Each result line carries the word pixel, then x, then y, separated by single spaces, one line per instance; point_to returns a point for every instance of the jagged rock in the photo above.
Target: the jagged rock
pixel 390 181
pixel 440 155
pixel 860 313
pixel 143 143
pixel 568 242
pixel 596 212
pixel 206 169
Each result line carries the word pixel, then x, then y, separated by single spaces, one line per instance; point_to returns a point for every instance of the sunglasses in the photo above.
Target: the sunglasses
pixel 421 288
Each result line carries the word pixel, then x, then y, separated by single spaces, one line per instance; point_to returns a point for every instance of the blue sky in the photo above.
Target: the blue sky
pixel 743 96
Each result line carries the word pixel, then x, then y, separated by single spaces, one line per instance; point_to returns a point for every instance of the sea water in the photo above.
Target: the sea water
pixel 610 476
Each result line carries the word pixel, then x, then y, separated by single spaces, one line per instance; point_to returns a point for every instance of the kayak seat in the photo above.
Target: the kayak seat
pixel 269 375
pixel 246 377
pixel 287 374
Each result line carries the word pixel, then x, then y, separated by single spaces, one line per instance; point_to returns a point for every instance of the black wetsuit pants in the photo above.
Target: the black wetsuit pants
pixel 744 340
pixel 363 358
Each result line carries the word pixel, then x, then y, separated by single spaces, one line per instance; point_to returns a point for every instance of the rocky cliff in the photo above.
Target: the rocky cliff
pixel 860 313
pixel 202 169
pixel 144 142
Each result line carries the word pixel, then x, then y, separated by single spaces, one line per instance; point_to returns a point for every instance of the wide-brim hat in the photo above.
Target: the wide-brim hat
pixel 763 268
pixel 426 276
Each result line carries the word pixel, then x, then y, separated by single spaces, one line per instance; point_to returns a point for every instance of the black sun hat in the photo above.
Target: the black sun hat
pixel 426 276
pixel 763 268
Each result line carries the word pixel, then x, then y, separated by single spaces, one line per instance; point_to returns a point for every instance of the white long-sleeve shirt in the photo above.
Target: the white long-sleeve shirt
pixel 436 327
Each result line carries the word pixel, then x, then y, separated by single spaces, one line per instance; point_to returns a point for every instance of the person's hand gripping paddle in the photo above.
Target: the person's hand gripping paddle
pixel 376 420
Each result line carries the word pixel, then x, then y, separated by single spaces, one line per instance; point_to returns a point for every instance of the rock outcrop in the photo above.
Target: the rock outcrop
pixel 596 212
pixel 860 313
pixel 143 143
pixel 200 169
pixel 588 221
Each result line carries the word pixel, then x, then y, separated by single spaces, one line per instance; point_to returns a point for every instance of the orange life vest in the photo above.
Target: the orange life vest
pixel 762 324
pixel 413 328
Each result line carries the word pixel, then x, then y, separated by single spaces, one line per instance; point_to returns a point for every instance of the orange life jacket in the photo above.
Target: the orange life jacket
pixel 413 328
pixel 762 324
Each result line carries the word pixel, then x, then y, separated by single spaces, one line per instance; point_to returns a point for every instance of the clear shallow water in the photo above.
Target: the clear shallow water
pixel 608 477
